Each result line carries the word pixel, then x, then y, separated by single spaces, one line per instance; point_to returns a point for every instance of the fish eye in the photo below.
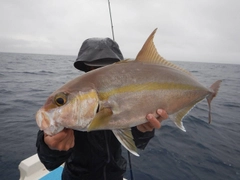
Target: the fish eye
pixel 60 99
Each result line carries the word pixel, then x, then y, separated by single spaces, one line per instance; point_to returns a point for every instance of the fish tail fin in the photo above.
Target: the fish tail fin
pixel 214 87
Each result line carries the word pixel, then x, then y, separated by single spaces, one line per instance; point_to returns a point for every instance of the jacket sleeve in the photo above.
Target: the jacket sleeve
pixel 50 158
pixel 141 139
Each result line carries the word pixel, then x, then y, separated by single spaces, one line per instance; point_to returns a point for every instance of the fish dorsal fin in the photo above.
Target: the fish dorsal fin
pixel 149 54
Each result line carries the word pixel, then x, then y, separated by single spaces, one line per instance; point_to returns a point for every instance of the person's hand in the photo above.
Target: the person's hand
pixel 62 141
pixel 153 122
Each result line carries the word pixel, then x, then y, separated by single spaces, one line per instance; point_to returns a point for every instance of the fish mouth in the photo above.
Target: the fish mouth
pixel 46 124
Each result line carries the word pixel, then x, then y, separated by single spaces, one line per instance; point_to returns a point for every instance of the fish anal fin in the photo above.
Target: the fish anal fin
pixel 178 116
pixel 149 54
pixel 125 137
pixel 101 119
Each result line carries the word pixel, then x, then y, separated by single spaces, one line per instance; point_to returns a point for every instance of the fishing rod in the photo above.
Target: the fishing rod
pixel 110 14
pixel 129 155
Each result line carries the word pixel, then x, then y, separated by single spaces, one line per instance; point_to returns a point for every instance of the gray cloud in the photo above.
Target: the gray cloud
pixel 197 30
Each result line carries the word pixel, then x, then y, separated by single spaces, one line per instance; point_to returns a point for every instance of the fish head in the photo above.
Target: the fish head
pixel 67 110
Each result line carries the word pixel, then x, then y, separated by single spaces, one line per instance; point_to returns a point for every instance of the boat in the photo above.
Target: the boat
pixel 32 168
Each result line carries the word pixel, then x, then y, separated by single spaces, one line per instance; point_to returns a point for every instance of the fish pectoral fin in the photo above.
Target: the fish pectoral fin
pixel 125 137
pixel 101 119
pixel 178 116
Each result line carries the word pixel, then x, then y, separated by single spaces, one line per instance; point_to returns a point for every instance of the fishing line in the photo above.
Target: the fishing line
pixel 130 165
pixel 129 156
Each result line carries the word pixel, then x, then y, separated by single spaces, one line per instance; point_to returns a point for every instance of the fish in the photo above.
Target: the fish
pixel 119 96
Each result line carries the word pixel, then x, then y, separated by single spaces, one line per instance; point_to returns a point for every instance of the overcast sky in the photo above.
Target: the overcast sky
pixel 198 30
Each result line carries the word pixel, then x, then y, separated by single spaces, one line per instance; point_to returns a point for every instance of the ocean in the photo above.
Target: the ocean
pixel 205 152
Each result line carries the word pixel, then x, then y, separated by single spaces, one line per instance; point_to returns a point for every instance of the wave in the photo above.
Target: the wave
pixel 6 91
pixel 38 73
pixel 231 104
pixel 194 71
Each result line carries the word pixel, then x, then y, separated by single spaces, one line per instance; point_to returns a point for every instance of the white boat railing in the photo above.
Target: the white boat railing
pixel 32 169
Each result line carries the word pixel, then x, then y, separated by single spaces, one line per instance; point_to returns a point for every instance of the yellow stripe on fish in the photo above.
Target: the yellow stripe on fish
pixel 151 86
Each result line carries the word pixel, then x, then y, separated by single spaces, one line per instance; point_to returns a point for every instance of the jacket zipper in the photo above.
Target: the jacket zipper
pixel 108 156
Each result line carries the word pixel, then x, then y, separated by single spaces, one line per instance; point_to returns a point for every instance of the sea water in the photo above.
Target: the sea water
pixel 205 151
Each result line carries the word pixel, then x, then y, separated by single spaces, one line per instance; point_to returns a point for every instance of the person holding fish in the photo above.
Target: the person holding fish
pixel 93 155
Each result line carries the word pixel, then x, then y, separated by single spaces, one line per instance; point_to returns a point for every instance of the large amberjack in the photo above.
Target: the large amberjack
pixel 119 96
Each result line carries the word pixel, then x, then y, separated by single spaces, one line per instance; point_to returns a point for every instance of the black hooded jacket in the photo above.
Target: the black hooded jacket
pixel 95 156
